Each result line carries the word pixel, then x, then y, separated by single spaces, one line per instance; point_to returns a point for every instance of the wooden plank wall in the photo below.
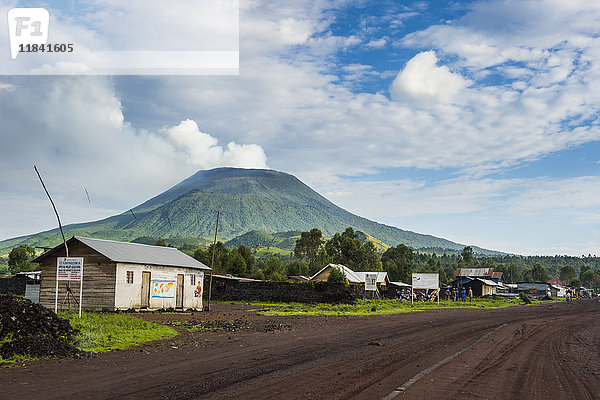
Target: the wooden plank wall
pixel 99 274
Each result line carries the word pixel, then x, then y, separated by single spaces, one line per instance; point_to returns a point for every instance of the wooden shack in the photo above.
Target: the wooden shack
pixel 120 275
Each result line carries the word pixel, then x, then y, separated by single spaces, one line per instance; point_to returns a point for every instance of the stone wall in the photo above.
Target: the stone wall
pixel 286 292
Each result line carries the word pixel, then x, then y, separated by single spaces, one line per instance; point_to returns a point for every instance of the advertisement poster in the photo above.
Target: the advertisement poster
pixel 163 288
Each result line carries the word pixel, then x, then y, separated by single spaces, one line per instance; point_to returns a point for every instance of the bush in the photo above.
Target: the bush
pixel 336 276
pixel 524 298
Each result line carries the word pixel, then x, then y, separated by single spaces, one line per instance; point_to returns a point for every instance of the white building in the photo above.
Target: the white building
pixel 120 275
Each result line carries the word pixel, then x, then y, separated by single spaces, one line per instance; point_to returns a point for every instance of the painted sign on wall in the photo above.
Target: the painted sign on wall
pixel 165 289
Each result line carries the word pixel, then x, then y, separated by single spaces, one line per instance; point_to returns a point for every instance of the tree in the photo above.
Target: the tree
pixel 19 259
pixel 308 247
pixel 222 255
pixel 513 274
pixel 273 269
pixel 596 280
pixel 248 256
pixel 236 265
pixel 584 268
pixel 297 267
pixel 336 276
pixel 539 273
pixel 586 277
pixel 567 274
pixel 467 255
pixel 347 250
pixel 397 261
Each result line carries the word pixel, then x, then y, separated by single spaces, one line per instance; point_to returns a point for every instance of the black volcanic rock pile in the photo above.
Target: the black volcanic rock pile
pixel 34 330
pixel 309 292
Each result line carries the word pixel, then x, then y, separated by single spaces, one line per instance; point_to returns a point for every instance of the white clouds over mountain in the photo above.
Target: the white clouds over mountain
pixel 501 85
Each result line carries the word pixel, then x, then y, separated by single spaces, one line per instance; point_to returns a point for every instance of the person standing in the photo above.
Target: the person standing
pixel 463 294
pixel 470 294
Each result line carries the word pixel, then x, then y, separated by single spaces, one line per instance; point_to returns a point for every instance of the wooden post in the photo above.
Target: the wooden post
pixel 212 263
pixel 61 232
pixel 55 212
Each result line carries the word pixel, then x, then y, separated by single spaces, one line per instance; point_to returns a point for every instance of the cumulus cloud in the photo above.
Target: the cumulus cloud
pixel 422 79
pixel 74 130
pixel 202 151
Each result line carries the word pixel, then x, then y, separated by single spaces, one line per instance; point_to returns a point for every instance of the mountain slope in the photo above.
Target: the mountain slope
pixel 248 199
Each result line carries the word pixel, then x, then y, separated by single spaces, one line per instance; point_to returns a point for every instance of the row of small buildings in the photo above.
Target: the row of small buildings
pixel 121 275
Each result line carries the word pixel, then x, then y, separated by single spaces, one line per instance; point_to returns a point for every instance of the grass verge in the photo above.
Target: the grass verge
pixel 104 331
pixel 382 307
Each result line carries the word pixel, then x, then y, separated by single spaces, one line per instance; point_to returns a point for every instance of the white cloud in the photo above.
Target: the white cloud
pixel 377 43
pixel 74 130
pixel 508 82
pixel 422 79
pixel 203 153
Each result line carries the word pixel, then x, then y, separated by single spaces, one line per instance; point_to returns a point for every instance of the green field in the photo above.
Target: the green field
pixel 382 307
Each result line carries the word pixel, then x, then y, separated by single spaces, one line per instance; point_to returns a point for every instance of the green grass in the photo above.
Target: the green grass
pixel 104 331
pixel 382 307
pixel 268 251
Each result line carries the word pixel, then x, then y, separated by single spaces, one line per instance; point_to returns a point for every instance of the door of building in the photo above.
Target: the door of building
pixel 145 289
pixel 179 300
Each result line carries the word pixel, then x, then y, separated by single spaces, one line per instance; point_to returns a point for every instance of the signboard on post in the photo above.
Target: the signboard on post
pixel 425 281
pixel 371 282
pixel 69 269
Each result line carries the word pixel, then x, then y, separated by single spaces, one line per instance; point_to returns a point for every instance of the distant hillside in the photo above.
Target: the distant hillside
pixel 253 239
pixel 249 200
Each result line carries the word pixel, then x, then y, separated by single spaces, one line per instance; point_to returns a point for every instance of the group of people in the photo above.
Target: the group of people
pixel 578 294
pixel 418 295
pixel 459 294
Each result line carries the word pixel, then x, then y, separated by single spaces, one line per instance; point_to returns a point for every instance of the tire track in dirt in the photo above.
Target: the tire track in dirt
pixel 526 360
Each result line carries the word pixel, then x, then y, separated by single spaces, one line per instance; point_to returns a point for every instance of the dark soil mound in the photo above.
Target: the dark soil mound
pixel 39 346
pixel 35 331
pixel 21 317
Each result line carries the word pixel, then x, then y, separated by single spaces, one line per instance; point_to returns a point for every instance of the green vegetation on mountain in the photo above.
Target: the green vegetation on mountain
pixel 249 200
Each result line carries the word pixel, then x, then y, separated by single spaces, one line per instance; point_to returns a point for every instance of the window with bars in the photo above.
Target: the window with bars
pixel 129 277
pixel 192 279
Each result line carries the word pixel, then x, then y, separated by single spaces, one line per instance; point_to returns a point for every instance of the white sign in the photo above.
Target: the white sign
pixel 371 282
pixel 425 281
pixel 69 268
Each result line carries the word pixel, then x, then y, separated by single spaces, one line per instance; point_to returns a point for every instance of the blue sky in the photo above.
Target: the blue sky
pixel 474 121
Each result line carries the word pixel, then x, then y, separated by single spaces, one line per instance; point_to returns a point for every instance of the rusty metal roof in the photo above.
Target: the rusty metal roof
pixel 475 272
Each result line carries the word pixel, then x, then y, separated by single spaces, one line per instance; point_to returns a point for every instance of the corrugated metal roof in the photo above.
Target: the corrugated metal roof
pixel 401 284
pixel 488 282
pixel 352 276
pixel 136 253
pixel 363 276
pixel 475 272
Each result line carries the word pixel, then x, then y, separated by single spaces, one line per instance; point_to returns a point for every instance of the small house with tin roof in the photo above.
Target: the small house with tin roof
pixel 353 277
pixel 120 275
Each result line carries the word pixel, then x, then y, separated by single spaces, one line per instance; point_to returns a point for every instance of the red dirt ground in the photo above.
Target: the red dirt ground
pixel 546 351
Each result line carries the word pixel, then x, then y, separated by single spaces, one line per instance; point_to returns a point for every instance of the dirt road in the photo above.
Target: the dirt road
pixel 548 351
